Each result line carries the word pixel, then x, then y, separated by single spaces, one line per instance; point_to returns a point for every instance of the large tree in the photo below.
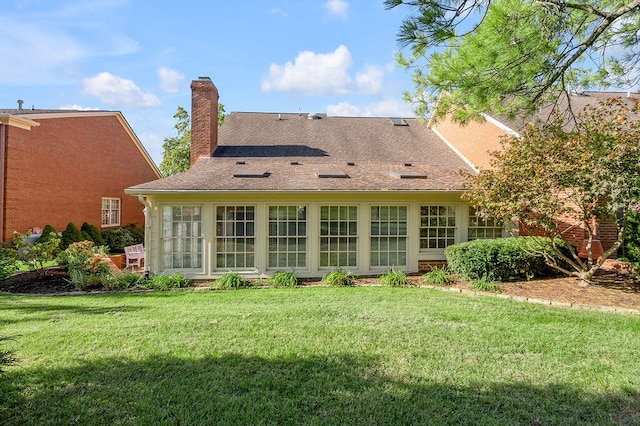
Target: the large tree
pixel 176 155
pixel 511 56
pixel 548 175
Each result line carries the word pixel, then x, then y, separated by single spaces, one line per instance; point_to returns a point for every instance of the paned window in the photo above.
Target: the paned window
pixel 235 236
pixel 182 237
pixel 388 236
pixel 287 237
pixel 110 211
pixel 482 229
pixel 338 236
pixel 437 226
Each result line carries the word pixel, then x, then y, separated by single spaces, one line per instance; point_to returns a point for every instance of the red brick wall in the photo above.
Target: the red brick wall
pixel 204 118
pixel 59 171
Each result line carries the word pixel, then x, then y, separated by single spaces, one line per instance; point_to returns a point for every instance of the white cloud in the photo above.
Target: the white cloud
pixel 118 92
pixel 312 74
pixel 170 80
pixel 370 79
pixel 76 107
pixel 337 8
pixel 387 107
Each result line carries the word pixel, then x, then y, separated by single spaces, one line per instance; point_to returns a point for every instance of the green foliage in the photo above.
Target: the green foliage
pixel 176 155
pixel 6 356
pixel 437 276
pixel 36 255
pixel 395 278
pixel 125 280
pixel 283 279
pixel 485 283
pixel 165 282
pixel 585 176
pixel 93 233
pixel 231 281
pixel 8 262
pixel 514 55
pixel 502 259
pixel 46 234
pixel 70 235
pixel 122 236
pixel 85 265
pixel 338 278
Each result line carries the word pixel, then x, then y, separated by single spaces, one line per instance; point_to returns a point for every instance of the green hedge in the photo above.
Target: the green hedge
pixel 118 238
pixel 501 259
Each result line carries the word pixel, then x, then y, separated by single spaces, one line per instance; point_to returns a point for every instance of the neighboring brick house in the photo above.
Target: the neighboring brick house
pixel 475 141
pixel 306 193
pixel 63 166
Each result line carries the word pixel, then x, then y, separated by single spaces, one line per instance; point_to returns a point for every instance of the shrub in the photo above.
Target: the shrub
pixel 395 278
pixel 122 236
pixel 70 235
pixel 230 281
pixel 125 280
pixel 437 276
pixel 47 234
pixel 338 278
pixel 164 282
pixel 93 233
pixel 83 261
pixel 8 262
pixel 283 279
pixel 485 284
pixel 36 255
pixel 501 259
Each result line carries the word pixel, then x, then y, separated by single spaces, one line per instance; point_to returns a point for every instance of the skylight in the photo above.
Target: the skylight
pixel 251 174
pixel 407 174
pixel 332 174
pixel 398 122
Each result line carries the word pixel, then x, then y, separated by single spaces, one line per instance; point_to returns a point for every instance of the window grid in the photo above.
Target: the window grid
pixel 287 237
pixel 338 236
pixel 388 236
pixel 235 232
pixel 110 211
pixel 482 229
pixel 437 226
pixel 182 237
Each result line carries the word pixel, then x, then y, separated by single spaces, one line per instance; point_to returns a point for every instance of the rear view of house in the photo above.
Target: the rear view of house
pixel 306 193
pixel 62 166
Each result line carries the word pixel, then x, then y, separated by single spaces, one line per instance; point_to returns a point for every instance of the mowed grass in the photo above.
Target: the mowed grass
pixel 323 356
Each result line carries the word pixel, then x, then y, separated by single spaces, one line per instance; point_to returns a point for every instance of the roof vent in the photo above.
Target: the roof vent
pixel 407 174
pixel 294 163
pixel 251 174
pixel 398 122
pixel 408 164
pixel 241 162
pixel 314 116
pixel 20 102
pixel 350 163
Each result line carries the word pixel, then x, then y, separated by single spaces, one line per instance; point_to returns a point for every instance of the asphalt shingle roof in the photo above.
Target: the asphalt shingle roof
pixel 292 149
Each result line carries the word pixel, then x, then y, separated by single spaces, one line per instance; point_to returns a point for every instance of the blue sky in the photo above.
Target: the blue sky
pixel 139 57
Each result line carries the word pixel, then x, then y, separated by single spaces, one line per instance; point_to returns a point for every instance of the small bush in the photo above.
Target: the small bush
pixel 485 284
pixel 8 262
pixel 231 281
pixel 36 255
pixel 437 276
pixel 83 261
pixel 70 235
pixel 165 282
pixel 47 233
pixel 339 278
pixel 122 236
pixel 283 279
pixel 93 233
pixel 125 280
pixel 501 259
pixel 395 278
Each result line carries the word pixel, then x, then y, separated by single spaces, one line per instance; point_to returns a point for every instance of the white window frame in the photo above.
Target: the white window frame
pixel 229 239
pixel 276 223
pixel 478 225
pixel 340 251
pixel 195 239
pixel 437 227
pixel 109 212
pixel 389 235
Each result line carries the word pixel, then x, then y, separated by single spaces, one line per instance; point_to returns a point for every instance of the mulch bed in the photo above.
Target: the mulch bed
pixel 614 287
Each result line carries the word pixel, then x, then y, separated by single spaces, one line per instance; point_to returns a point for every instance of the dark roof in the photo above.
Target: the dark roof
pixel 292 149
pixel 30 111
pixel 577 101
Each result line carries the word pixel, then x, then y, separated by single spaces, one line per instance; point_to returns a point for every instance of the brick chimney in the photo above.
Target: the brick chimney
pixel 204 118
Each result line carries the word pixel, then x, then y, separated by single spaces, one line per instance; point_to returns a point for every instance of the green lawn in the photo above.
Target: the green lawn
pixel 363 355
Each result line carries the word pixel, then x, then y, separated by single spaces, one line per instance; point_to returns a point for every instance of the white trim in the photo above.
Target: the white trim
pixel 110 210
pixel 454 149
pixel 500 125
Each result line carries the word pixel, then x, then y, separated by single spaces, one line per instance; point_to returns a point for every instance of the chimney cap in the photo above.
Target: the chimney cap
pixel 204 78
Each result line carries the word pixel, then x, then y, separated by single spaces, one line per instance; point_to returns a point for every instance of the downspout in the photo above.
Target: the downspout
pixel 147 228
pixel 3 166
